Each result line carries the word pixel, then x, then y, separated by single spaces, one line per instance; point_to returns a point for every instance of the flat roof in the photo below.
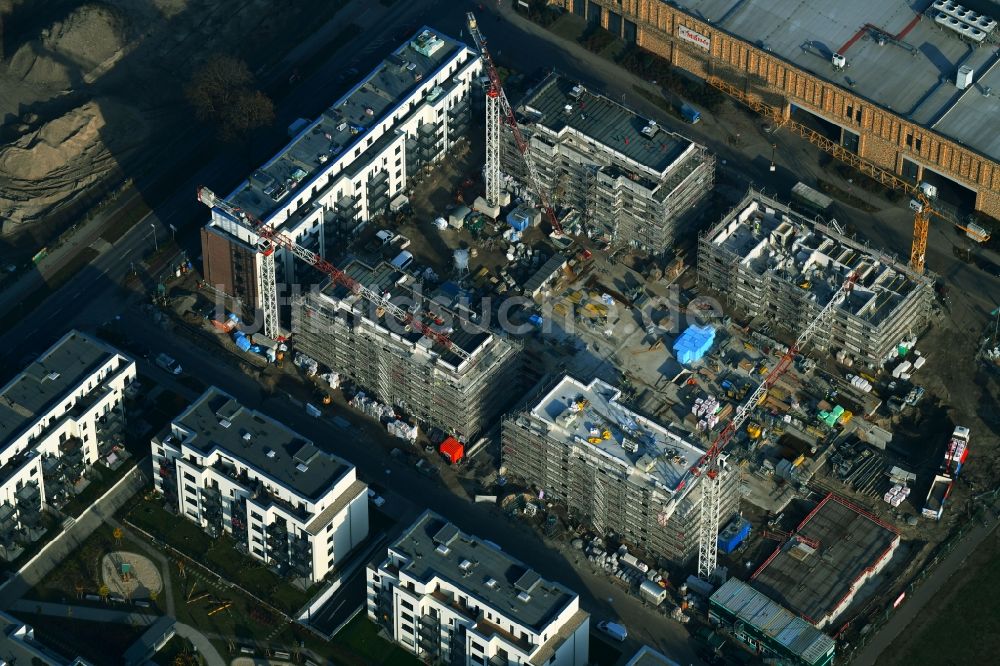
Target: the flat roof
pixel 812 582
pixel 554 105
pixel 436 312
pixel 48 380
pixel 912 74
pixel 647 656
pixel 766 236
pixel 436 548
pixel 577 412
pixel 345 124
pixel 771 619
pixel 217 422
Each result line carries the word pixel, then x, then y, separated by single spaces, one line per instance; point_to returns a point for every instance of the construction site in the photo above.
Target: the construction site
pixel 785 389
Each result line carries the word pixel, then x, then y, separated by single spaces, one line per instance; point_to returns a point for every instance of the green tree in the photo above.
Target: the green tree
pixel 222 93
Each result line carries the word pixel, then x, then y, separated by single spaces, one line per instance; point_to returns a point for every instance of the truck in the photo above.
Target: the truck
pixel 168 363
pixel 689 113
pixel 937 496
pixel 957 452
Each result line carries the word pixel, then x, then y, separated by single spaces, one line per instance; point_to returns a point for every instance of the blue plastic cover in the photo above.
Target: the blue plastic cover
pixel 242 341
pixel 518 220
pixel 535 320
pixel 694 343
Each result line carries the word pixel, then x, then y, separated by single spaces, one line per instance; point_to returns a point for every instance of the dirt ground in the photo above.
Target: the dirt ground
pixel 92 91
pixel 145 577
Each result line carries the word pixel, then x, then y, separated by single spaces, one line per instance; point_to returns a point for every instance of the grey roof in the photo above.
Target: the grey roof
pixel 216 421
pixel 609 123
pixel 427 560
pixel 813 584
pixel 769 618
pixel 145 646
pixel 384 278
pixel 912 75
pixel 48 381
pixel 344 125
pixel 647 656
pixel 545 272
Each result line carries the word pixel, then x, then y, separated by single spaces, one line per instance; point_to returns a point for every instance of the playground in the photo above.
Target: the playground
pixel 130 575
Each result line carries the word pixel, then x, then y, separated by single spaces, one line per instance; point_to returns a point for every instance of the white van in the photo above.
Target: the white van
pixel 403 260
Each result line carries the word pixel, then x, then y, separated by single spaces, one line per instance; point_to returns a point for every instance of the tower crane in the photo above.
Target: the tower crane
pixel 708 466
pixel 499 112
pixel 269 239
pixel 920 204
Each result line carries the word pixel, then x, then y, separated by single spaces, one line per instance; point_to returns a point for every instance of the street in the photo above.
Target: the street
pixel 95 295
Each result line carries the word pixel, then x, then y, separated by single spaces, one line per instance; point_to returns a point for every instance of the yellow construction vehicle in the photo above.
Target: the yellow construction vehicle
pixel 594 440
pixel 754 430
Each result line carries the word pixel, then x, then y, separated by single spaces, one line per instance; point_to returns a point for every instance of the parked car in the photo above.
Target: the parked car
pixel 168 363
pixel 614 630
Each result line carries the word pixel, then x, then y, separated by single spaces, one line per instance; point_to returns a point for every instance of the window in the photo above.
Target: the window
pixel 399 161
pixel 398 148
pixel 399 174
pixel 406 604
pixel 916 143
pixel 188 477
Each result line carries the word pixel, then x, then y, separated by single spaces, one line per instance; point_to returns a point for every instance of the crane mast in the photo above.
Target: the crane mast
pixel 708 464
pixel 271 239
pixel 499 112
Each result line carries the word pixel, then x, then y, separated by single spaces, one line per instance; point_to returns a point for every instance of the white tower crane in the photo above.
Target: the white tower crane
pixel 709 465
pixel 498 112
pixel 271 239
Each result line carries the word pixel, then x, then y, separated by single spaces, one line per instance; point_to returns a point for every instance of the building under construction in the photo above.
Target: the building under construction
pixel 631 180
pixel 818 571
pixel 612 467
pixel 767 261
pixel 460 388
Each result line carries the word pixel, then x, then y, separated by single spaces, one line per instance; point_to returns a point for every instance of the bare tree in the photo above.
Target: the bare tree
pixel 222 93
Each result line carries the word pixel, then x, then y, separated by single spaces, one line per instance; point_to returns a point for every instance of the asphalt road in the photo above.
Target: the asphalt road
pixel 95 296
pixel 409 492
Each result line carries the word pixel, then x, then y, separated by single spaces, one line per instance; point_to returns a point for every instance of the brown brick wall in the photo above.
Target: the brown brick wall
pixel 228 266
pixel 885 137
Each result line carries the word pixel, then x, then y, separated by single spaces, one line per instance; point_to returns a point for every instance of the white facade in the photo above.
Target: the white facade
pixel 451 598
pixel 348 164
pixel 288 504
pixel 50 416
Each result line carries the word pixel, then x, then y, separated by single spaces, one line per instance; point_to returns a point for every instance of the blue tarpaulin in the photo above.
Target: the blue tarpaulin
pixel 518 219
pixel 694 343
pixel 241 340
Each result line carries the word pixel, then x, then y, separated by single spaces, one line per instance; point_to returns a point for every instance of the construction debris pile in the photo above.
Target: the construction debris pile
pixel 308 364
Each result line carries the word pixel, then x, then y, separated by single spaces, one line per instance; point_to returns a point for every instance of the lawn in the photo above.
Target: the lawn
pixel 97 487
pixel 218 555
pixel 359 640
pixel 97 642
pixel 968 626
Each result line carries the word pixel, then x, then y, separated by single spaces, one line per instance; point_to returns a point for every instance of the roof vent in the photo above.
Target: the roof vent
pixel 465 565
pixel 524 597
pixel 269 453
pixel 491 583
pixel 301 467
pixel 247 437
pixel 52 375
pixel 442 549
pixel 225 423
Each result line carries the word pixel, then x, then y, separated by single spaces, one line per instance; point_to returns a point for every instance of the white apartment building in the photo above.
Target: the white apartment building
pixel 452 598
pixel 52 416
pixel 348 165
pixel 232 469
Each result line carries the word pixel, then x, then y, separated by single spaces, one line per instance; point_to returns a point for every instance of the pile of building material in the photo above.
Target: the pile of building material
pixel 860 383
pixel 331 378
pixel 895 495
pixel 372 407
pixel 306 363
pixel 707 412
pixel 402 430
